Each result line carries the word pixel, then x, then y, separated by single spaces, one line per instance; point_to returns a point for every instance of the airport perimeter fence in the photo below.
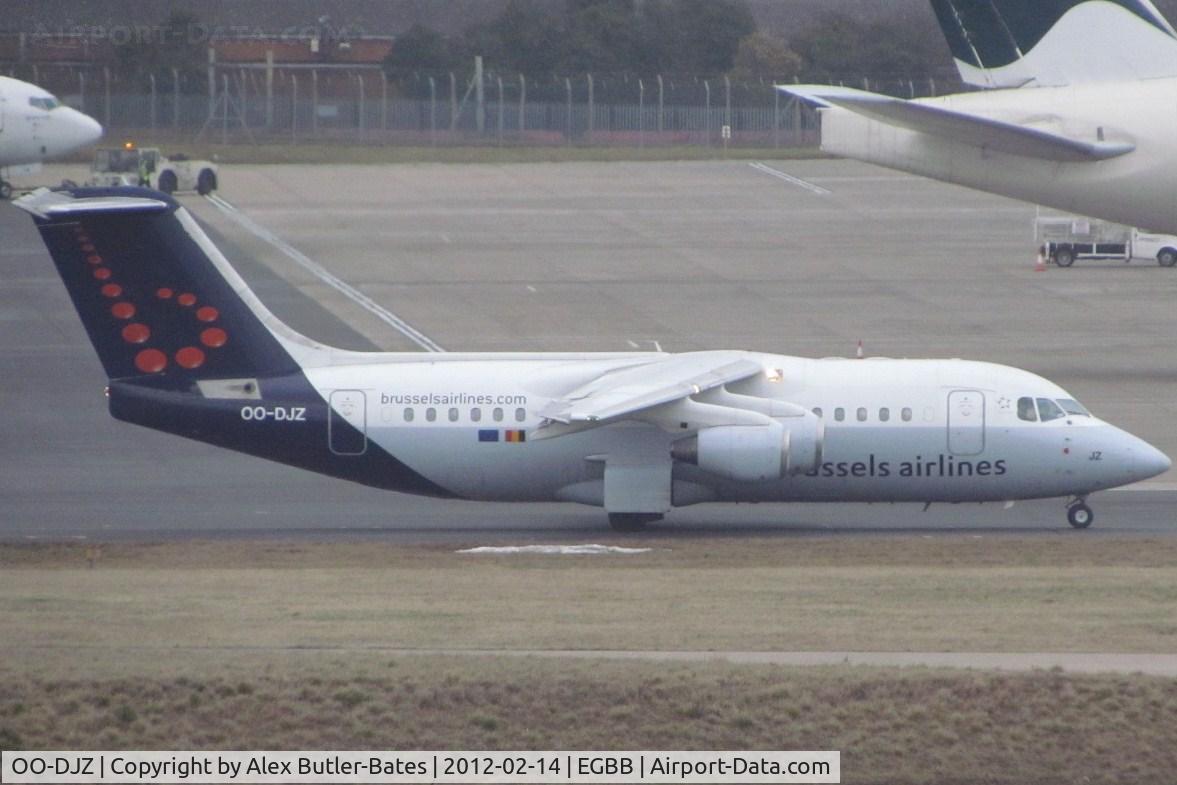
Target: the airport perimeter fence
pixel 367 106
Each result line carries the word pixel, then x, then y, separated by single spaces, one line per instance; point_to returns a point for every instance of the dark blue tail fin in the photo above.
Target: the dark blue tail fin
pixel 147 286
pixel 1010 43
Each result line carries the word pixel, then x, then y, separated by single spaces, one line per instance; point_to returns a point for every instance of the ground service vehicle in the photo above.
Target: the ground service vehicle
pixel 1063 239
pixel 129 164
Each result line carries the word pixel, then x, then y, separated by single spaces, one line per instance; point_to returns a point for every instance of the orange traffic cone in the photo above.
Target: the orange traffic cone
pixel 859 354
pixel 1040 265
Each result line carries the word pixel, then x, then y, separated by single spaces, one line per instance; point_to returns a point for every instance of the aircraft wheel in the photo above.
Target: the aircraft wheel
pixel 631 521
pixel 5 189
pixel 1064 257
pixel 1167 257
pixel 1080 515
pixel 167 182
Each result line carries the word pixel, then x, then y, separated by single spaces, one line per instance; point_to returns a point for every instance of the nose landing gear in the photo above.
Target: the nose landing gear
pixel 1079 514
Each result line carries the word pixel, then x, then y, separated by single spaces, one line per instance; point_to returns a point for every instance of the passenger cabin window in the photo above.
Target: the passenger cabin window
pixel 884 414
pixel 408 415
pixel 498 414
pixel 1026 409
pixel 839 414
pixel 817 411
pixel 1049 410
pixel 906 414
pixel 431 414
pixel 862 414
pixel 454 414
pixel 520 414
pixel 475 414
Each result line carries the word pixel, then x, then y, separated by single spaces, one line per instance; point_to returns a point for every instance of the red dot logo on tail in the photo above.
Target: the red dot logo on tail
pixel 151 361
pixel 190 357
pixel 214 337
pixel 136 333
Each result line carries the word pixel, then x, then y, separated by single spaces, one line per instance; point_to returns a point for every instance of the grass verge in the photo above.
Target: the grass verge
pixel 959 593
pixel 914 726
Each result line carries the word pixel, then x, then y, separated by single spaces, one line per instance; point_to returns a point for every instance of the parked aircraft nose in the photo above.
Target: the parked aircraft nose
pixel 83 129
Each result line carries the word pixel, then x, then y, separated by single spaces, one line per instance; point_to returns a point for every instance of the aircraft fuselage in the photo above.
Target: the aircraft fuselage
pixel 894 430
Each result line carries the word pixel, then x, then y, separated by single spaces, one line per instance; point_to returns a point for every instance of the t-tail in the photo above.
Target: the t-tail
pixel 1011 43
pixel 187 347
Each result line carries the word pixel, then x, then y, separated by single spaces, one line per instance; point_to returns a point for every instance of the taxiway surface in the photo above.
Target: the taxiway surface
pixel 585 256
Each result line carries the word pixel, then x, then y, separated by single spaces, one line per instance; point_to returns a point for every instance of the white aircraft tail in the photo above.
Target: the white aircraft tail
pixel 1012 43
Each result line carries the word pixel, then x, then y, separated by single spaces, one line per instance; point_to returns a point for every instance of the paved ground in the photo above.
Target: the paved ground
pixel 585 256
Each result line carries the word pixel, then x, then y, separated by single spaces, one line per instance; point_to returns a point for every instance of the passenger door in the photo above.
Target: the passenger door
pixel 966 422
pixel 347 423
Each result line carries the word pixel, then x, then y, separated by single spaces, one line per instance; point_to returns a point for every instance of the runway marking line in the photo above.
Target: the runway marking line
pixel 760 166
pixel 317 270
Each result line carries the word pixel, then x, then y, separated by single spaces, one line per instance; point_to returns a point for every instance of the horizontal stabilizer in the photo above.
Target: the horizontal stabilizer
pixel 45 203
pixel 970 129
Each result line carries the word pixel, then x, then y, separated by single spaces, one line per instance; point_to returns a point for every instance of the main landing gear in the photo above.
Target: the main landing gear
pixel 1079 514
pixel 631 521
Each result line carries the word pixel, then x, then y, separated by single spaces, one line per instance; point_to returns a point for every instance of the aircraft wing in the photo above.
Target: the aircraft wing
pixel 959 126
pixel 632 390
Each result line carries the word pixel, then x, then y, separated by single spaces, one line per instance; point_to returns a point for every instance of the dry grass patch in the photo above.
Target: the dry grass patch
pixel 911 726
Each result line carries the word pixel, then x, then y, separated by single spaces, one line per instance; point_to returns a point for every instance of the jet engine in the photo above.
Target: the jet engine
pixel 754 453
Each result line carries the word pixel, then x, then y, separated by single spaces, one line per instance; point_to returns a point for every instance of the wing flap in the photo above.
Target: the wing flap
pixel 971 129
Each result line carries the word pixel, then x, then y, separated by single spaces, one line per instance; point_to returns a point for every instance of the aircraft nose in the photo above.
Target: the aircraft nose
pixel 91 130
pixel 84 129
pixel 1148 461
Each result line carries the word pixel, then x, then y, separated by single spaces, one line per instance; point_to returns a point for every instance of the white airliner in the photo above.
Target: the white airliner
pixel 35 126
pixel 190 350
pixel 1077 111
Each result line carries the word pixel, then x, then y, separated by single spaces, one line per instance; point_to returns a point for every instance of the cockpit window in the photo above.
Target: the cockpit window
pixel 1049 410
pixel 1026 409
pixel 1071 406
pixel 46 102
